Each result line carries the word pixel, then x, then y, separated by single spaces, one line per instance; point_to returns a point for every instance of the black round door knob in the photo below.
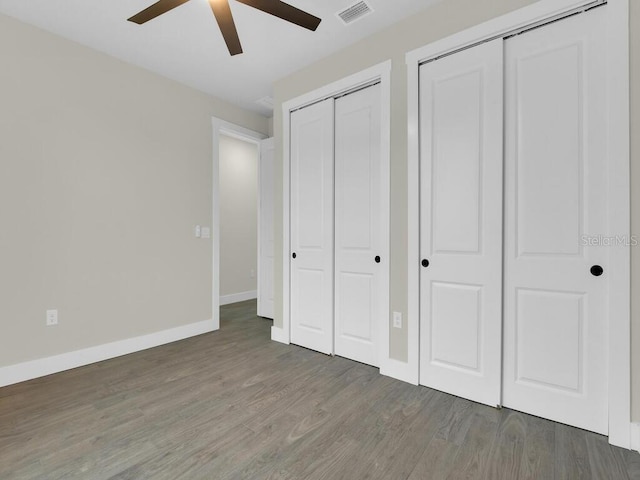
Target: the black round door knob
pixel 377 259
pixel 294 255
pixel 596 270
pixel 425 263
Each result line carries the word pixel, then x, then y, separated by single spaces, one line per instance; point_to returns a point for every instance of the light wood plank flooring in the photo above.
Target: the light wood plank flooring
pixel 234 405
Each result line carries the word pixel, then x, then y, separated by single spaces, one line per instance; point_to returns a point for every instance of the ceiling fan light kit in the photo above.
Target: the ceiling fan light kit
pixel 222 11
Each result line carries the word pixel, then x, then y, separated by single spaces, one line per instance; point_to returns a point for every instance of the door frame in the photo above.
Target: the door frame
pixel 271 145
pixel 619 214
pixel 241 133
pixel 377 73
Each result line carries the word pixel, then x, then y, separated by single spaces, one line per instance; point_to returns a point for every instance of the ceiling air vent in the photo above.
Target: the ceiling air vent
pixel 355 12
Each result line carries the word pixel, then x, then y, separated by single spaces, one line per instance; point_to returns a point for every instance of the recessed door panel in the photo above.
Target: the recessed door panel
pixel 361 264
pixel 555 357
pixel 551 361
pixel 457 162
pixel 461 223
pixel 356 308
pixel 312 230
pixel 549 158
pixel 309 299
pixel 456 312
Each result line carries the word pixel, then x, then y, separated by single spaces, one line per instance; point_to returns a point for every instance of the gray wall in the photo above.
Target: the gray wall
pixel 105 169
pixel 432 24
pixel 238 216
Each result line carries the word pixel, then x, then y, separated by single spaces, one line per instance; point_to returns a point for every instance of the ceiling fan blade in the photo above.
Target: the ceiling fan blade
pixel 155 10
pixel 224 17
pixel 285 12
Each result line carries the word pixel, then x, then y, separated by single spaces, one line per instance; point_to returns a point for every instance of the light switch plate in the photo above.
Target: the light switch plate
pixel 206 232
pixel 397 320
pixel 197 231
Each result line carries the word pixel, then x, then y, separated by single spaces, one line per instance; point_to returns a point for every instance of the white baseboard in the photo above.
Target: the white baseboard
pixel 398 370
pixel 635 437
pixel 66 361
pixel 238 297
pixel 279 335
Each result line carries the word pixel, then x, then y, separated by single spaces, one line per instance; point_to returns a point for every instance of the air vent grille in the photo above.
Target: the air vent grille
pixel 355 12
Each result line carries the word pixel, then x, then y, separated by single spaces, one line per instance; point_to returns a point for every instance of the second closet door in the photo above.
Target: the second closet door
pixel 361 278
pixel 556 282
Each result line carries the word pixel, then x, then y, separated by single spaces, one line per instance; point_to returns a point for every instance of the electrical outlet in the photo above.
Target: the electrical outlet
pixel 52 317
pixel 206 232
pixel 253 274
pixel 397 320
pixel 197 231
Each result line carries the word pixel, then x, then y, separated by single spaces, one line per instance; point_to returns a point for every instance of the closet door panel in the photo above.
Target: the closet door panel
pixel 312 230
pixel 361 283
pixel 555 363
pixel 461 102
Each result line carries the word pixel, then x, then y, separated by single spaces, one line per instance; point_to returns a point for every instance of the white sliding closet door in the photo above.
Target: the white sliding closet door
pixel 265 247
pixel 461 135
pixel 555 363
pixel 312 230
pixel 361 266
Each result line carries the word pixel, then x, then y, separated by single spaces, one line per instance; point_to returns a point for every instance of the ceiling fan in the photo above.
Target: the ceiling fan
pixel 222 12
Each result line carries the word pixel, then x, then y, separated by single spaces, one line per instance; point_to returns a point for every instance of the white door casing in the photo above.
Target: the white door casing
pixel 555 357
pixel 266 230
pixel 461 131
pixel 312 232
pixel 361 266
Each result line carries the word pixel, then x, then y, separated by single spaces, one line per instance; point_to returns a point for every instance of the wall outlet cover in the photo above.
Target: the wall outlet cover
pixel 397 320
pixel 52 317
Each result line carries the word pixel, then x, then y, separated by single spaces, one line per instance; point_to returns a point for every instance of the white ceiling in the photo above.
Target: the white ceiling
pixel 185 44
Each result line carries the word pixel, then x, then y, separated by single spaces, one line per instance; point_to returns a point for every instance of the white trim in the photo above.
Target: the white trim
pixel 279 335
pixel 635 437
pixel 265 145
pixel 413 223
pixel 58 363
pixel 337 88
pixel 238 297
pixel 283 334
pixel 382 72
pixel 538 12
pixel 618 121
pixel 619 214
pixel 236 131
pixel 385 211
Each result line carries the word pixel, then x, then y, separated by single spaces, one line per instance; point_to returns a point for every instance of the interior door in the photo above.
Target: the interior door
pixel 312 231
pixel 461 135
pixel 265 247
pixel 555 363
pixel 361 263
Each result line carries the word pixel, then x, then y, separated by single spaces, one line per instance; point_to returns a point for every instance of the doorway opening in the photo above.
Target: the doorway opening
pixel 238 174
pixel 236 156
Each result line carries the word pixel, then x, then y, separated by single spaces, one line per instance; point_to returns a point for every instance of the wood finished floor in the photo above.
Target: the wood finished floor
pixel 234 405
